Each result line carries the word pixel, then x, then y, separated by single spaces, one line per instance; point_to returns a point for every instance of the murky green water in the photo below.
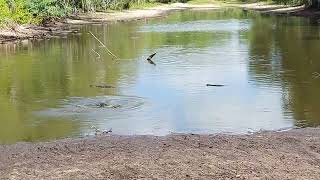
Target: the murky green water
pixel 268 65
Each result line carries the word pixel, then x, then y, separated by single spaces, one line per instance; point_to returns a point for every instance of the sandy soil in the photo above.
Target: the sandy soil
pixel 293 154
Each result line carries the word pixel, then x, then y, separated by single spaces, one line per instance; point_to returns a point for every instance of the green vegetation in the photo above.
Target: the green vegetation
pixel 35 11
pixel 15 11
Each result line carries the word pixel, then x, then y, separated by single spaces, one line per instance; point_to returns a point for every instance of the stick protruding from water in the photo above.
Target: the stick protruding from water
pixel 98 55
pixel 103 45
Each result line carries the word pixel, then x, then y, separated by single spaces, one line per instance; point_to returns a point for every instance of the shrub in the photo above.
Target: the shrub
pixel 46 8
pixel 290 2
pixel 19 12
pixel 118 4
pixel 4 11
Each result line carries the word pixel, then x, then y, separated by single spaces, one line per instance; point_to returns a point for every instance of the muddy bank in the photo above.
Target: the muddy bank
pixel 293 154
pixel 66 26
pixel 18 33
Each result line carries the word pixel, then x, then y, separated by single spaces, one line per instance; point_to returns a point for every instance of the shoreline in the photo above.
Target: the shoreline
pixel 268 155
pixel 62 28
pixel 282 10
pixel 136 14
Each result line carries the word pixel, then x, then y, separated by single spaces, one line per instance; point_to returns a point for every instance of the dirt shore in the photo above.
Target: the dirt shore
pixel 293 154
pixel 18 33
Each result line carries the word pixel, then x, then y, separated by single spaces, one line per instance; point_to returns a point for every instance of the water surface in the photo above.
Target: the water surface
pixel 268 65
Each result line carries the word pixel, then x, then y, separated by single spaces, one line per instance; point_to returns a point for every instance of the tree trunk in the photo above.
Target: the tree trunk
pixel 315 4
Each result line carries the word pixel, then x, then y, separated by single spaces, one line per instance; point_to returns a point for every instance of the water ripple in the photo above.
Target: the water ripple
pixel 199 26
pixel 91 105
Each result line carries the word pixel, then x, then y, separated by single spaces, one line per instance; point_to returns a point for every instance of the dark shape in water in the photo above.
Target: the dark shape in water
pixel 215 85
pixel 106 132
pixel 102 86
pixel 105 105
pixel 311 38
pixel 102 104
pixel 150 57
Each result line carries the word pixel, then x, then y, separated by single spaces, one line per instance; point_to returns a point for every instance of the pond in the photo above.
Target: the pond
pixel 269 66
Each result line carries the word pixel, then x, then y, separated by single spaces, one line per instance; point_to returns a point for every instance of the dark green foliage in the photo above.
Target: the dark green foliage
pixel 118 4
pixel 46 8
pixel 290 2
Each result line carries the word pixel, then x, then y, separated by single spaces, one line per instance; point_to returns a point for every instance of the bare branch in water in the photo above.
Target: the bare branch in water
pixel 98 55
pixel 103 45
pixel 315 74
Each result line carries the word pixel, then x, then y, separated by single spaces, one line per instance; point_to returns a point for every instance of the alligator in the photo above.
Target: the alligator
pixel 215 85
pixel 105 105
pixel 102 86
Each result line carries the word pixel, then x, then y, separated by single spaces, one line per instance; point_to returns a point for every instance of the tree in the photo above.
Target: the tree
pixel 315 4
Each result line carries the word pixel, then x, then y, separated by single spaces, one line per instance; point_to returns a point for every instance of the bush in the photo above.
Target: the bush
pixel 4 11
pixel 46 8
pixel 19 12
pixel 290 2
pixel 119 4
